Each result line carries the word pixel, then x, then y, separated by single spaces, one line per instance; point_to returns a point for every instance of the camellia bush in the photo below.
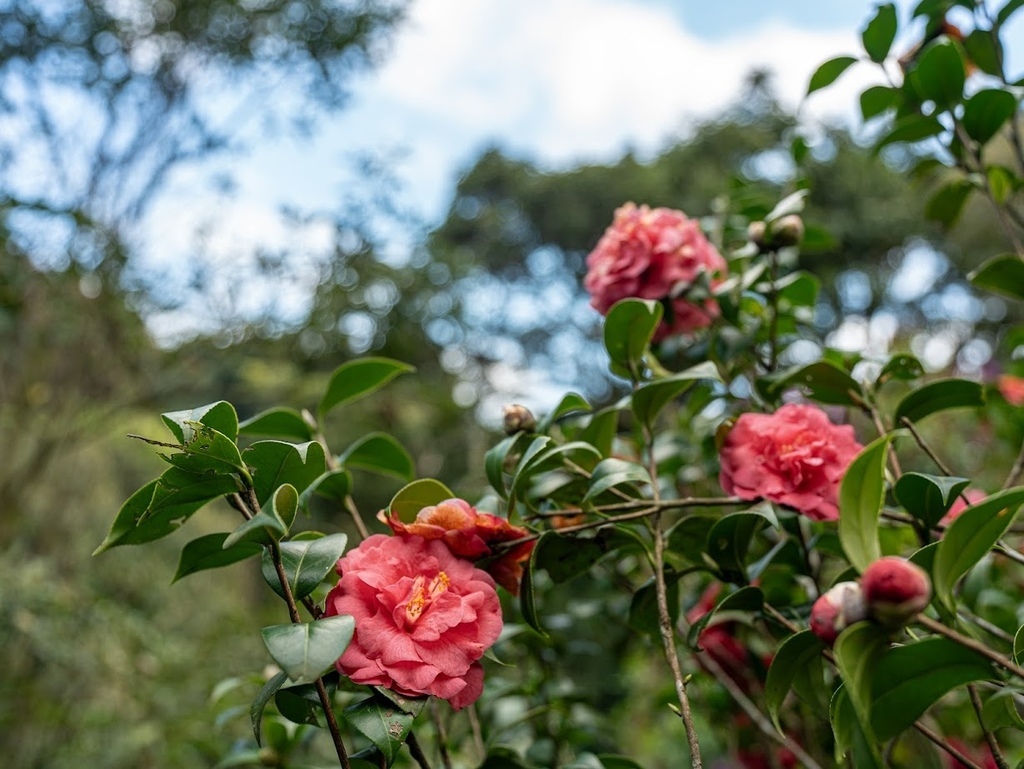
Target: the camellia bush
pixel 748 560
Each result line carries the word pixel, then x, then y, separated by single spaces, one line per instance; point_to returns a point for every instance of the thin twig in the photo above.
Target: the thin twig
pixel 931 454
pixel 990 738
pixel 1016 471
pixel 969 643
pixel 985 625
pixel 416 751
pixel 442 733
pixel 938 740
pixel 478 735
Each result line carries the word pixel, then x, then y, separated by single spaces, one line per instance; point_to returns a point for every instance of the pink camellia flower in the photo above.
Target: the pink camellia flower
pixel 470 535
pixel 895 590
pixel 795 457
pixel 424 618
pixel 654 253
pixel 1011 388
pixel 835 610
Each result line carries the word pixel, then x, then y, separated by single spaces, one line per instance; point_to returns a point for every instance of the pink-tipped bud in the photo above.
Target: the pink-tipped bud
pixel 895 590
pixel 836 610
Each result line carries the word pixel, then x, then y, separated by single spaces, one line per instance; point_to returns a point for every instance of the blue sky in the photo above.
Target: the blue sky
pixel 559 81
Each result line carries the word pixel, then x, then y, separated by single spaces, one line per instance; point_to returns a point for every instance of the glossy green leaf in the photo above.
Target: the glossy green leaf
pixel 260 703
pixel 985 51
pixel 206 450
pixel 527 596
pixel 600 431
pixel 277 462
pixel 880 32
pixel 413 497
pixel 611 761
pixel 858 651
pixel 551 456
pixel 306 563
pixel 729 539
pixel 1002 274
pixel 902 366
pixel 986 112
pixel 687 538
pixel 411 705
pixel 358 378
pixel 822 381
pixel 791 659
pixel 164 505
pixel 910 129
pixel 333 485
pixel 386 726
pixel 1001 711
pixel 970 536
pixel 861 495
pixel 928 497
pixel 565 557
pixel 939 75
pixel 495 459
pixel 1008 9
pixel 380 453
pixel 1001 182
pixel 278 423
pixel 747 600
pixel 650 398
pixel 268 525
pixel 643 609
pixel 305 651
pixel 628 329
pixel 209 553
pixel 220 416
pixel 826 74
pixel 301 704
pixel 612 473
pixel 571 403
pixel 946 205
pixel 849 734
pixel 909 679
pixel 940 395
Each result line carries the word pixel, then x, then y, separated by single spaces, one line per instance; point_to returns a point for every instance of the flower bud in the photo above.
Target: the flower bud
pixel 787 231
pixel 756 232
pixel 836 610
pixel 895 590
pixel 518 419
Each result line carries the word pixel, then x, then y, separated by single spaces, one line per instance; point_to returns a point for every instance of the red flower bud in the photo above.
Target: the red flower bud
pixel 895 590
pixel 836 610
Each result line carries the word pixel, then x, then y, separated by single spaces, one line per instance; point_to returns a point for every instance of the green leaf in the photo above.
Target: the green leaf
pixel 1011 7
pixel 730 537
pixel 861 495
pixel 220 416
pixel 414 496
pixel 791 204
pixel 791 659
pixel 940 395
pixel 902 366
pixel 1002 274
pixel 628 329
pixel 380 453
pixel 206 450
pixel 334 485
pixel 910 129
pixel 611 761
pixel 209 553
pixel 358 378
pixel 909 679
pixel 746 600
pixel 494 462
pixel 946 205
pixel 541 456
pixel 826 74
pixel 984 49
pixel 822 381
pixel 278 423
pixel 305 651
pixel 527 598
pixel 268 525
pixel 858 651
pixel 260 703
pixel 650 398
pixel 928 497
pixel 301 704
pixel 600 431
pixel 849 734
pixel 687 538
pixel 1001 182
pixel 164 505
pixel 411 705
pixel 611 473
pixel 501 757
pixel 382 723
pixel 643 609
pixel 306 563
pixel 1018 646
pixel 1000 711
pixel 986 112
pixel 969 537
pixel 939 75
pixel 880 33
pixel 565 557
pixel 571 403
pixel 276 462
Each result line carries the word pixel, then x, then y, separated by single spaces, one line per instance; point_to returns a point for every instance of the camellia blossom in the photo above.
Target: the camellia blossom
pixel 795 457
pixel 654 253
pixel 424 618
pixel 470 534
pixel 1011 388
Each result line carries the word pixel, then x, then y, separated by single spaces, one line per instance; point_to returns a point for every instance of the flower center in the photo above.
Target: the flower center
pixel 423 594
